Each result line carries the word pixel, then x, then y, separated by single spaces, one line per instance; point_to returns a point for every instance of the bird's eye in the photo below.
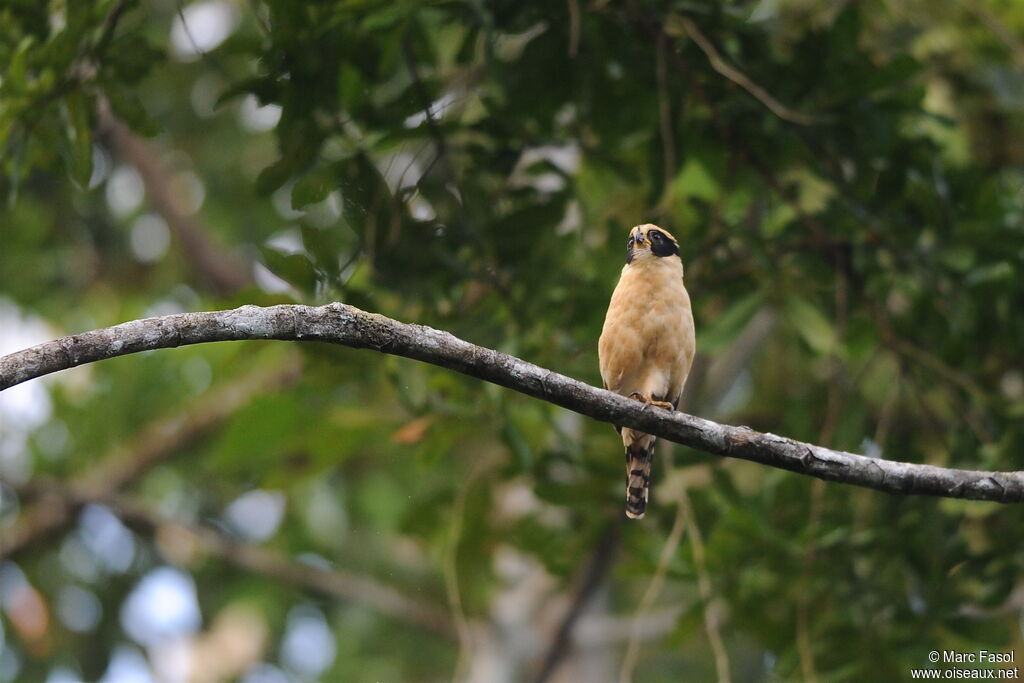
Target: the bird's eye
pixel 630 241
pixel 656 236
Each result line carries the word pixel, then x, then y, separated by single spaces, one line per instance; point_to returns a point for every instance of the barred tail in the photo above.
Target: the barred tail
pixel 638 477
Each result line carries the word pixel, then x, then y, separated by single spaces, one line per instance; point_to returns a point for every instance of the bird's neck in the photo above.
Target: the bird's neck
pixel 670 267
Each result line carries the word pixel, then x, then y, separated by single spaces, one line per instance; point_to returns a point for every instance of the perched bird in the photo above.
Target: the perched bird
pixel 647 344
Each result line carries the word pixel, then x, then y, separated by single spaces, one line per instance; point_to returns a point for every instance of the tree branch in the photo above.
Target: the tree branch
pixel 348 326
pixel 333 582
pixel 680 24
pixel 56 505
pixel 218 269
pixel 590 580
pixel 157 442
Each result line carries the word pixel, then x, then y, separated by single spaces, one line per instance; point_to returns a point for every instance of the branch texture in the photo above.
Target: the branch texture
pixel 338 323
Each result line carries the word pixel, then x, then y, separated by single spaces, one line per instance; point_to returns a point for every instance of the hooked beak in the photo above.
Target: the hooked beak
pixel 631 245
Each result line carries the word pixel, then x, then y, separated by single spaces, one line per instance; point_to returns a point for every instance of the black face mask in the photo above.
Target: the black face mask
pixel 662 244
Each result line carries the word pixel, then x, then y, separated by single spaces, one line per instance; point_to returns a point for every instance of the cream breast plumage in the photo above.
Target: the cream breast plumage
pixel 647 344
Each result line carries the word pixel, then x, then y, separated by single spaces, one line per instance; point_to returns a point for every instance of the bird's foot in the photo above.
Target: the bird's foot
pixel 651 402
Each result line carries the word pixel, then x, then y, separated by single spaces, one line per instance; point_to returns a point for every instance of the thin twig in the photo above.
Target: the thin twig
pixel 451 575
pixel 938 368
pixel 217 268
pixel 1000 30
pixel 110 23
pixel 574 28
pixel 668 551
pixel 833 410
pixel 201 539
pixel 719 64
pixel 804 644
pixel 592 577
pixel 428 106
pixel 205 56
pixel 153 444
pixel 861 502
pixel 486 274
pixel 704 586
pixel 668 143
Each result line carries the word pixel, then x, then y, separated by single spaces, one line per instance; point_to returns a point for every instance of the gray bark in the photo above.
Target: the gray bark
pixel 341 324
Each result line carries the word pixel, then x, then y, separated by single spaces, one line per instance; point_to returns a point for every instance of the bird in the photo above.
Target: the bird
pixel 647 344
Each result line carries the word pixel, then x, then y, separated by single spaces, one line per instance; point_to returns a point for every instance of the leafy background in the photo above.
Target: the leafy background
pixel 844 178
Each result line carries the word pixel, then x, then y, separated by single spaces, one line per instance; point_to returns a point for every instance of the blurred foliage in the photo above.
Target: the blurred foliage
pixel 475 167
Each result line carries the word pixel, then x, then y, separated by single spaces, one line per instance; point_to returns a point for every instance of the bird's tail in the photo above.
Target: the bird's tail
pixel 638 476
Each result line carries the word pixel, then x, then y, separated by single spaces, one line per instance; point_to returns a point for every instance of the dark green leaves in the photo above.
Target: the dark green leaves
pixel 855 282
pixel 313 187
pixel 79 120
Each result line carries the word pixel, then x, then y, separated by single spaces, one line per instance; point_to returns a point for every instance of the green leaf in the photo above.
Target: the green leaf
pixel 79 114
pixel 389 17
pixel 257 435
pixel 724 329
pixel 695 181
pixel 775 223
pixel 131 57
pixel 811 324
pixel 273 176
pixel 263 87
pixel 293 268
pixel 129 108
pixel 958 258
pixel 518 444
pixel 300 145
pixel 1001 271
pixel 313 187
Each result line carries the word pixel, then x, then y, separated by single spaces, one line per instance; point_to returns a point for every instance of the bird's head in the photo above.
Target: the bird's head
pixel 650 242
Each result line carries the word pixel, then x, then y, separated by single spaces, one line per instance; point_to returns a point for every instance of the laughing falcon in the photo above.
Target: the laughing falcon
pixel 647 343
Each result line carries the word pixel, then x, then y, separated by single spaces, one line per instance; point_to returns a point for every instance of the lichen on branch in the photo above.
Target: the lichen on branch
pixel 339 323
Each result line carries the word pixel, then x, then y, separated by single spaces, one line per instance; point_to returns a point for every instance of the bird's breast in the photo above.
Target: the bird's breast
pixel 648 336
